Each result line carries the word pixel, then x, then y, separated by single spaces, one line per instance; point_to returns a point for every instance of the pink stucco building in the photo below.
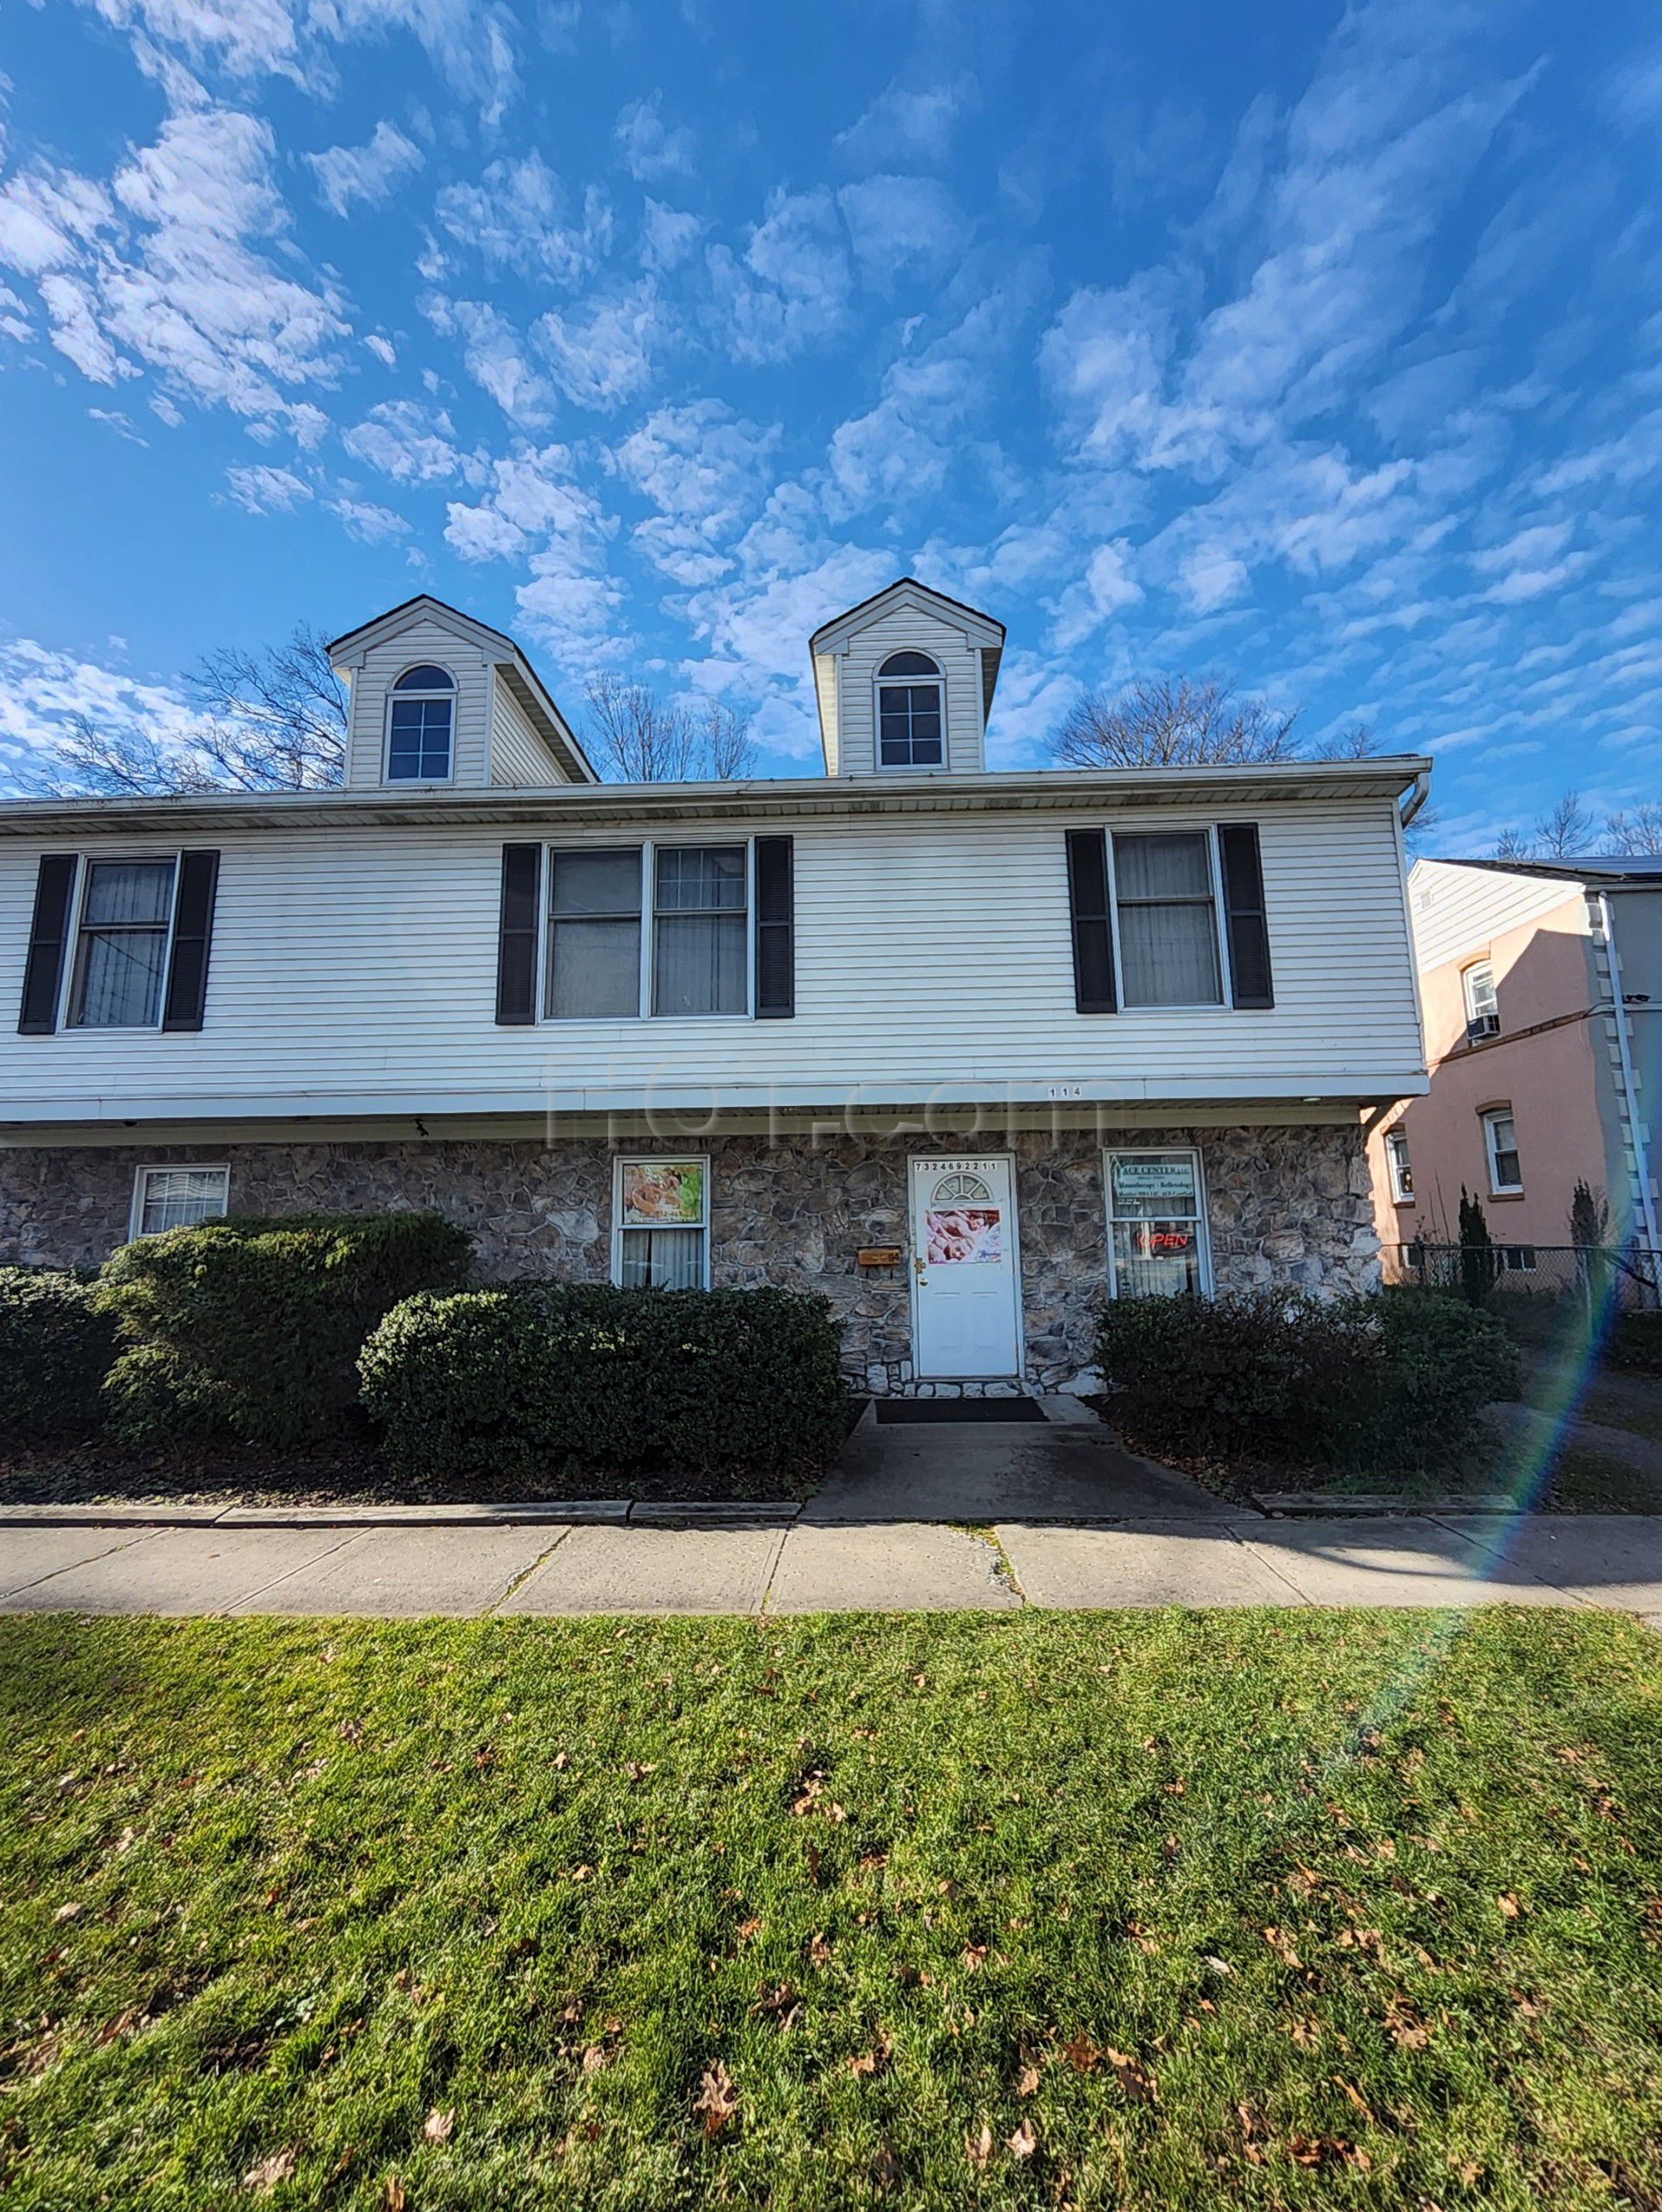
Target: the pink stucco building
pixel 1541 992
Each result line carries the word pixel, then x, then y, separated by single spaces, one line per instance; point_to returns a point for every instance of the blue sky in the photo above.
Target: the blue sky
pixel 1318 348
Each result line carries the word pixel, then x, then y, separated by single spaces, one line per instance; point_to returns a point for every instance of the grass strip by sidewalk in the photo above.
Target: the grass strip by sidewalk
pixel 1287 1909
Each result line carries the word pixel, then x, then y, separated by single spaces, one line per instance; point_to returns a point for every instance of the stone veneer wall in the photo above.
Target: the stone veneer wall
pixel 1287 1204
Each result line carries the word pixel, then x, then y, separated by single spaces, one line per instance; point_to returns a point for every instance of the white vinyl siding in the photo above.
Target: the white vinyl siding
pixel 907 629
pixel 354 970
pixel 520 760
pixel 1456 911
pixel 383 665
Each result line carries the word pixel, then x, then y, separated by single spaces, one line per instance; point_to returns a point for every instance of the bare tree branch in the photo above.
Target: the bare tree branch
pixel 1172 722
pixel 727 748
pixel 1635 834
pixel 641 738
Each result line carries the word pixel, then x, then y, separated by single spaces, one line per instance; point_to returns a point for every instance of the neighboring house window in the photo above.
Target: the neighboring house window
pixel 1156 1225
pixel 1398 1168
pixel 1500 1142
pixel 421 725
pixel 1164 892
pixel 593 934
pixel 1516 1259
pixel 177 1198
pixel 121 952
pixel 1482 1006
pixel 911 713
pixel 662 1238
pixel 701 951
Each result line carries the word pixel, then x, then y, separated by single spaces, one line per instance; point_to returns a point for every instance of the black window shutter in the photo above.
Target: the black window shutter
pixel 193 933
pixel 49 939
pixel 776 929
pixel 1093 928
pixel 516 945
pixel 1249 931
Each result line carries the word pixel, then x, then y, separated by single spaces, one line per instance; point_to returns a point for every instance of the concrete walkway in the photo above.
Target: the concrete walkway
pixel 825 1563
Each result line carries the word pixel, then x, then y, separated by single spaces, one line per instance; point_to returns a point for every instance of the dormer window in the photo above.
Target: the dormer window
pixel 911 713
pixel 421 724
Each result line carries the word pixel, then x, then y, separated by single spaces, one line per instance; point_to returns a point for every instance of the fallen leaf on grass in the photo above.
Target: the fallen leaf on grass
pixel 68 1912
pixel 1509 1905
pixel 717 2099
pixel 747 1929
pixel 1283 1945
pixel 594 2058
pixel 440 2126
pixel 819 1951
pixel 979 2147
pixel 1024 2142
pixel 975 1957
pixel 1081 2053
pixel 392 2196
pixel 1354 2095
pixel 885 2168
pixel 873 2061
pixel 263 2177
pixel 1027 2080
pixel 1133 2077
pixel 1405 2026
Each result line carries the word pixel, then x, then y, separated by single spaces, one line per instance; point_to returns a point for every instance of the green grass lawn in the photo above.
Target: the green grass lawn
pixel 1108 1911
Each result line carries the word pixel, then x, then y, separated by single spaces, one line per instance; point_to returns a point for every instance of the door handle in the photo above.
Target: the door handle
pixel 917 1265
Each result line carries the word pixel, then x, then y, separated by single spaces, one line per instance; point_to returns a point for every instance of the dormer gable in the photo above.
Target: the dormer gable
pixel 442 701
pixel 904 682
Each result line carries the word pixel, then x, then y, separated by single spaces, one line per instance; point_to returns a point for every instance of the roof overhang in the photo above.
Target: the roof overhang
pixel 800 798
pixel 348 651
pixel 1622 871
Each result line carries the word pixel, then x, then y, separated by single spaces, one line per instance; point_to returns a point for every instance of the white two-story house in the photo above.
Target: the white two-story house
pixel 966 1050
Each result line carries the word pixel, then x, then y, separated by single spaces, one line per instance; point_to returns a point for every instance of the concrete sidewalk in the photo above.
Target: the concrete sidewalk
pixel 837 1563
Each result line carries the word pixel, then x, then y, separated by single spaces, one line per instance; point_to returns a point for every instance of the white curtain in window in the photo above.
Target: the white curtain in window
pixel 123 943
pixel 663 1259
pixel 178 1197
pixel 700 952
pixel 594 943
pixel 1168 936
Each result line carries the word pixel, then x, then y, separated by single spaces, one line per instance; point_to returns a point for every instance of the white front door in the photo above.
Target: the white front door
pixel 963 1266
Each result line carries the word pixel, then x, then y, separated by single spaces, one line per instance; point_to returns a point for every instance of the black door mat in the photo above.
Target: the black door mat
pixel 909 1409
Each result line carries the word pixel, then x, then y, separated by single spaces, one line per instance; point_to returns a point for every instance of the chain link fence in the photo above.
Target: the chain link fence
pixel 1628 1277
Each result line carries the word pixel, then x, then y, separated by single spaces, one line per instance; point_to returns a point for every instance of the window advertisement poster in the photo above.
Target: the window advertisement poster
pixel 663 1194
pixel 964 1235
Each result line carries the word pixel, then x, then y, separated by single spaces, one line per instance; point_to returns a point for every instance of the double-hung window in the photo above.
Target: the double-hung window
pixel 1156 1224
pixel 593 934
pixel 911 713
pixel 177 1198
pixel 1165 891
pixel 121 950
pixel 1500 1146
pixel 421 727
pixel 691 904
pixel 662 1213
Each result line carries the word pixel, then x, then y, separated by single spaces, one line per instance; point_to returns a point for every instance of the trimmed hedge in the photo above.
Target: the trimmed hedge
pixel 1635 1342
pixel 1395 1381
pixel 574 1380
pixel 250 1328
pixel 56 1349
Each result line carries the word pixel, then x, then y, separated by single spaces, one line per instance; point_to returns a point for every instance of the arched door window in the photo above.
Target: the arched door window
pixel 911 713
pixel 421 727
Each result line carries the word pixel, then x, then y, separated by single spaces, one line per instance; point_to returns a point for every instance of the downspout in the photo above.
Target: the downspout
pixel 1417 798
pixel 1629 1090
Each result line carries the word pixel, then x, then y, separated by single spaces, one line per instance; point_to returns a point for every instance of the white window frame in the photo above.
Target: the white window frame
pixel 912 682
pixel 1489 1117
pixel 393 694
pixel 665 1159
pixel 1474 1012
pixel 1112 1152
pixel 69 987
pixel 141 1174
pixel 649 848
pixel 1225 1003
pixel 1399 1197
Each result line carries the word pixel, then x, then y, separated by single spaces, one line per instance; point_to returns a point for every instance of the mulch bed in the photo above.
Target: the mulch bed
pixel 349 1472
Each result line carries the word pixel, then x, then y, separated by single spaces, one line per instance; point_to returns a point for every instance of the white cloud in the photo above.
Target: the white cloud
pixel 792 289
pixel 368 174
pixel 1529 565
pixel 703 468
pixel 113 419
pixel 902 226
pixel 364 519
pixel 1106 587
pixel 667 236
pixel 14 317
pixel 494 357
pixel 473 44
pixel 908 121
pixel 535 509
pixel 382 348
pixel 649 149
pixel 172 268
pixel 601 351
pixel 42 689
pixel 246 38
pixel 260 488
pixel 410 443
pixel 903 448
pixel 1211 576
pixel 519 216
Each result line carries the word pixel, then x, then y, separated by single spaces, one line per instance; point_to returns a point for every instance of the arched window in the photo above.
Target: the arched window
pixel 911 713
pixel 421 723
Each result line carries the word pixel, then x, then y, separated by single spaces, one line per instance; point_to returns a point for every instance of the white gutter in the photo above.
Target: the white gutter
pixel 1417 798
pixel 1630 1093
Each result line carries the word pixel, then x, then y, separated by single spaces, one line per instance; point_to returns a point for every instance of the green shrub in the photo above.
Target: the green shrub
pixel 569 1382
pixel 249 1329
pixel 1398 1380
pixel 56 1349
pixel 1635 1342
